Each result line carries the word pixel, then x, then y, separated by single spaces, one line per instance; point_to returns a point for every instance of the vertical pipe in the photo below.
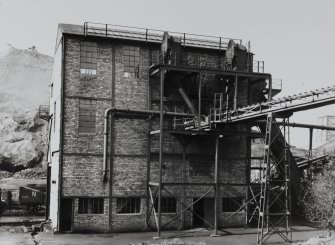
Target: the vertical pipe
pixel 227 99
pixel 220 44
pixel 270 89
pixel 147 215
pixel 310 153
pixel 216 170
pixel 199 104
pixel 161 125
pixel 112 140
pixel 248 173
pixel 235 94
pixel 183 171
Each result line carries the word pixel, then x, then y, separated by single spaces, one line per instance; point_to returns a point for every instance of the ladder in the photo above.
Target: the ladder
pixel 275 195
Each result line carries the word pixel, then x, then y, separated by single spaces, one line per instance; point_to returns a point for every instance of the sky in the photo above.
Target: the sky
pixel 294 38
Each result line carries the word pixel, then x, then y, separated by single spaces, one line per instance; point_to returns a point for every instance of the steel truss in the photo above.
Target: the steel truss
pixel 185 208
pixel 275 197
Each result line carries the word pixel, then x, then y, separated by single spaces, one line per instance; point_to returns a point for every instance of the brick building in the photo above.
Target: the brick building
pixel 106 153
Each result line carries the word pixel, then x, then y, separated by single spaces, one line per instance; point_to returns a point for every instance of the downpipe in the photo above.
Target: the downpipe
pixel 113 111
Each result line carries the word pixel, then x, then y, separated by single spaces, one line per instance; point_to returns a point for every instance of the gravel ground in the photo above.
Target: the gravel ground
pixel 10 235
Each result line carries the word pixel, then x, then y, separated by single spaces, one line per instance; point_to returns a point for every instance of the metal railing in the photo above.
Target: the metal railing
pixel 155 36
pixel 276 84
pixel 205 61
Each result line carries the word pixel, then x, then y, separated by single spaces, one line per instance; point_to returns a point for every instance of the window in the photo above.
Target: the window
pixel 128 205
pixel 169 205
pixel 88 57
pixel 231 204
pixel 91 206
pixel 87 111
pixel 131 59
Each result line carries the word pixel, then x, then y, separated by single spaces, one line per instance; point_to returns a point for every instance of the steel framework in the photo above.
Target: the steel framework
pixel 270 196
pixel 275 197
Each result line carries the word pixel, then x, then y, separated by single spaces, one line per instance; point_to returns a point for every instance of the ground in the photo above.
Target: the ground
pixel 10 235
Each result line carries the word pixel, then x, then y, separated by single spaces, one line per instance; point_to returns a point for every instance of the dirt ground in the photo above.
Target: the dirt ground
pixel 11 235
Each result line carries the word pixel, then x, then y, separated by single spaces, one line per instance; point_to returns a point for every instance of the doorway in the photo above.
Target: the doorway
pixel 204 209
pixel 66 207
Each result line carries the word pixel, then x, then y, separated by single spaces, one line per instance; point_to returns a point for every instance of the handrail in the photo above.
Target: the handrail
pixel 204 61
pixel 145 34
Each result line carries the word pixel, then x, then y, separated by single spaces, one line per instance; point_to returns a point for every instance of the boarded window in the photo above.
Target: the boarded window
pixel 131 59
pixel 87 111
pixel 91 206
pixel 231 204
pixel 88 57
pixel 169 205
pixel 128 205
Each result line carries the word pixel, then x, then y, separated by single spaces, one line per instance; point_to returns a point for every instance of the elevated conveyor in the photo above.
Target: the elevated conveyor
pixel 286 105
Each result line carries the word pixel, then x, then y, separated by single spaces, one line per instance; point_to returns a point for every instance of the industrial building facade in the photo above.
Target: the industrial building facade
pixel 105 148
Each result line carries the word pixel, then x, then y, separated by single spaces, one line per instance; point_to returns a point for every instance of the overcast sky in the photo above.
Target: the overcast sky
pixel 295 38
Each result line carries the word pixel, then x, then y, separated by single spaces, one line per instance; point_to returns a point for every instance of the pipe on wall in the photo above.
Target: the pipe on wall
pixel 133 112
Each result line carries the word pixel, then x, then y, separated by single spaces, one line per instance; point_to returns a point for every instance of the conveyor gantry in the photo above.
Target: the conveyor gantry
pixel 287 105
pixel 282 106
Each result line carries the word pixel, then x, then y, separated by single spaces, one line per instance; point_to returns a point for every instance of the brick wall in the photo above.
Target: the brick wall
pixel 82 165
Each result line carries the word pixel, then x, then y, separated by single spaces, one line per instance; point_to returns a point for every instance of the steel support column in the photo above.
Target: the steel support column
pixel 310 149
pixel 235 92
pixel 270 89
pixel 199 102
pixel 161 136
pixel 217 186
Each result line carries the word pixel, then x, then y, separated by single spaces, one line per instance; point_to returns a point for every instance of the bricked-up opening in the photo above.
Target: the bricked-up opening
pixel 91 206
pixel 128 205
pixel 88 57
pixel 131 59
pixel 169 205
pixel 231 204
pixel 87 115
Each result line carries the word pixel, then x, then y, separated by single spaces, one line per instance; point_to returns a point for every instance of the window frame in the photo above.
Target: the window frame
pixel 88 57
pixel 89 112
pixel 131 59
pixel 165 203
pixel 137 205
pixel 87 205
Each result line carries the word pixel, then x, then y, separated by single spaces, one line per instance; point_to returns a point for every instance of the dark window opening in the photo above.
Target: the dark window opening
pixel 91 206
pixel 87 112
pixel 131 59
pixel 128 205
pixel 231 204
pixel 88 58
pixel 169 205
